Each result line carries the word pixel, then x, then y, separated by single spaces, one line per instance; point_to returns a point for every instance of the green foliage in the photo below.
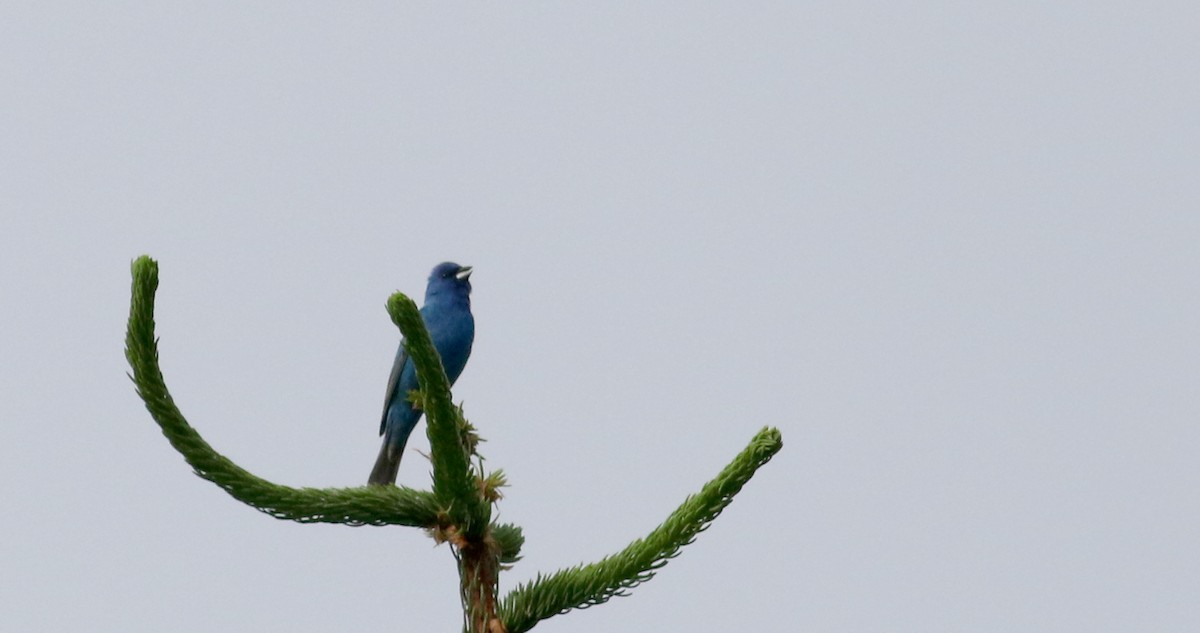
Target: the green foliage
pixel 459 508
pixel 509 539
pixel 453 481
pixel 353 506
pixel 586 585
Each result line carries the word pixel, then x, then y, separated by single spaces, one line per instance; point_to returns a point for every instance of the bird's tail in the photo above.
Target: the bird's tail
pixel 387 464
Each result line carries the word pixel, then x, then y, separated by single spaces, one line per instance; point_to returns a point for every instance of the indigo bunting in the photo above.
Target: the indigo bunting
pixel 447 316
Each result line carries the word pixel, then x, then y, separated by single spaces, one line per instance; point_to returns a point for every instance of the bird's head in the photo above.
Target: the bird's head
pixel 449 278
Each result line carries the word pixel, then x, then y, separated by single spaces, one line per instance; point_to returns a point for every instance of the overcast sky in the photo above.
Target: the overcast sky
pixel 950 250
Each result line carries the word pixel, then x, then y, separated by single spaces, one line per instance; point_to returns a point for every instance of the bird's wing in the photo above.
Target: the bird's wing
pixel 393 384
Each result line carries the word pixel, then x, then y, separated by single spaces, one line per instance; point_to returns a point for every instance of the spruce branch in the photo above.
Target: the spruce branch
pixel 583 586
pixel 371 505
pixel 453 482
pixel 459 508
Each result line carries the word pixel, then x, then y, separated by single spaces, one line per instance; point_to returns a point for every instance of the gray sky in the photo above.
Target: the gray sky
pixel 950 250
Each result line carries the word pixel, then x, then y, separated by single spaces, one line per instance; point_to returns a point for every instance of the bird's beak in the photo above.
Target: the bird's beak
pixel 463 272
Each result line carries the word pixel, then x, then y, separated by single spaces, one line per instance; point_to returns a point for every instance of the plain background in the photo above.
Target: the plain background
pixel 949 249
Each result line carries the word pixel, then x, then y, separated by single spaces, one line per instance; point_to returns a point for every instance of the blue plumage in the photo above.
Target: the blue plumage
pixel 447 316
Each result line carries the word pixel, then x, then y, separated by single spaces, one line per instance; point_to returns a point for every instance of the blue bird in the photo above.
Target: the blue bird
pixel 447 316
